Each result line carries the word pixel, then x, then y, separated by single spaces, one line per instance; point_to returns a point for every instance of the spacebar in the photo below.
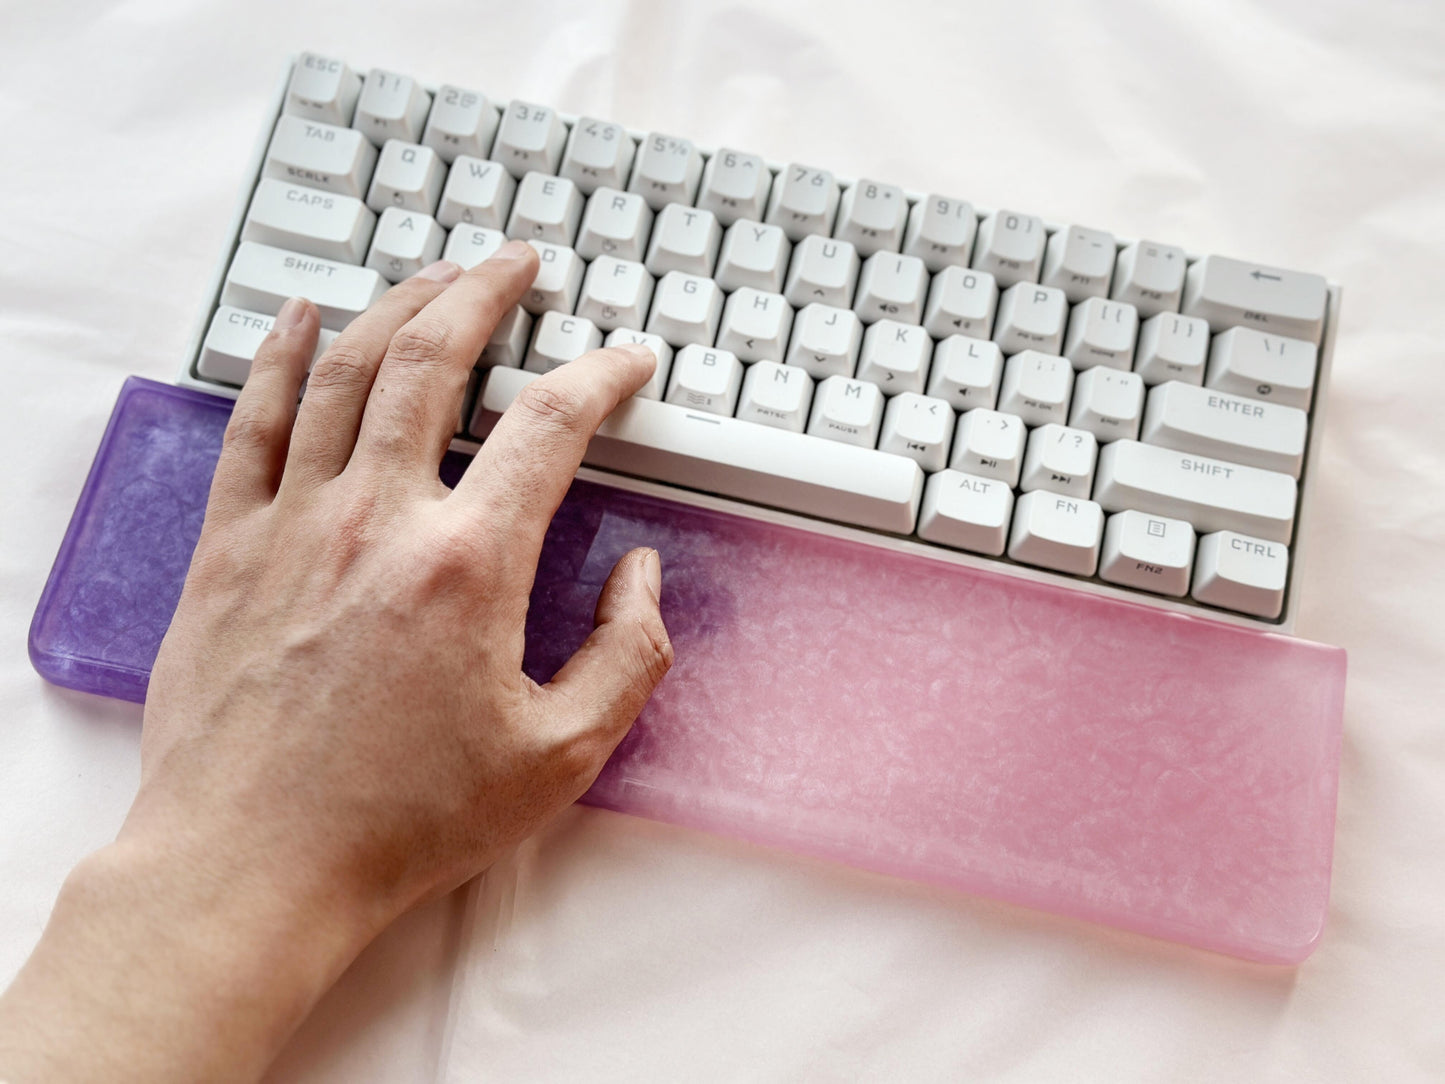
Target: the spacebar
pixel 739 459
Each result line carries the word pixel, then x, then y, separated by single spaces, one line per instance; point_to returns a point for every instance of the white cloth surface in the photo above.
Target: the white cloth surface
pixel 1306 134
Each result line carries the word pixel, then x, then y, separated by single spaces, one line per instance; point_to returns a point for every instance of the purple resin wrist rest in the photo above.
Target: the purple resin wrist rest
pixel 1079 754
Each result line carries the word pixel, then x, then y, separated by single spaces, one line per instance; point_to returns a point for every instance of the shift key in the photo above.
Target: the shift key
pixel 1231 293
pixel 262 277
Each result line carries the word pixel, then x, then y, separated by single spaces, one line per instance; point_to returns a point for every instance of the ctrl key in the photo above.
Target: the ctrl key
pixel 1236 572
pixel 232 341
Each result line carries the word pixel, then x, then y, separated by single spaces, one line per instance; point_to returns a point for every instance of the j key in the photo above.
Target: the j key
pixel 1237 572
pixel 408 176
pixel 804 201
pixel 261 278
pixel 546 208
pixel 391 106
pixel 1061 460
pixel 321 156
pixel 233 339
pixel 656 385
pixel 1108 403
pixel 1031 318
pixel 468 246
pixel 848 411
pixel 1172 347
pixel 667 170
pixel 776 395
pixel 735 186
pixel 307 220
pixel 1231 293
pixel 685 309
pixel 919 427
pixel 478 193
pixel 753 254
pixel 895 356
pixel 1037 387
pixel 560 338
pixel 940 232
pixel 615 293
pixel 871 216
pixel 1102 333
pixel 966 373
pixel 558 281
pixel 822 270
pixel 1057 532
pixel 966 511
pixel 1231 427
pixel 684 239
pixel 961 302
pixel 893 287
pixel 507 348
pixel 1010 247
pixel 462 122
pixel 322 89
pixel 1154 553
pixel 404 243
pixel 530 138
pixel 614 224
pixel 825 341
pixel 1150 277
pixel 705 378
pixel 755 325
pixel 1079 261
pixel 989 444
pixel 1264 366
pixel 598 155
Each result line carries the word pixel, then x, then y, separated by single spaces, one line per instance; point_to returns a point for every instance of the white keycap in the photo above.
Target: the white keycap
pixel 1149 276
pixel 615 293
pixel 560 338
pixel 404 243
pixel 822 270
pixel 232 341
pixel 1010 247
pixel 391 106
pixel 825 341
pixel 1209 493
pixel 1061 460
pixel 1214 423
pixel 893 287
pixel 776 395
pixel 961 302
pixel 705 378
pixel 468 246
pixel 1102 333
pixel 1079 261
pixel 1263 366
pixel 1153 553
pixel 477 193
pixel 321 156
pixel 1172 347
pixel 1237 572
pixel 804 200
pixel 322 89
pixel 684 239
pixel 1107 403
pixel 848 411
pixel 529 139
pixel 1057 532
pixel 966 372
pixel 656 385
pixel 558 281
pixel 966 511
pixel 940 232
pixel 407 176
pixel 753 254
pixel 308 220
pixel 614 224
pixel 685 309
pixel 757 463
pixel 1231 293
pixel 1031 318
pixel 1037 387
pixel 598 155
pixel 735 187
pixel 546 208
pixel 989 444
pixel 667 170
pixel 462 122
pixel 507 348
pixel 871 217
pixel 261 278
pixel 919 427
pixel 895 356
pixel 755 325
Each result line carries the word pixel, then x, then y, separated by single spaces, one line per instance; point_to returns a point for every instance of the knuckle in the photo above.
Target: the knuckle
pixel 342 367
pixel 422 342
pixel 552 406
pixel 653 648
pixel 248 429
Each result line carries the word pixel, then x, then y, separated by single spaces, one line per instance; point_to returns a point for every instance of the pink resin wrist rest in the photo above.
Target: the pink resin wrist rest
pixel 1092 757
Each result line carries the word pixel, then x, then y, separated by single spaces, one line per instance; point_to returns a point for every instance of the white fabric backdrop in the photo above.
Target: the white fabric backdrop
pixel 1306 134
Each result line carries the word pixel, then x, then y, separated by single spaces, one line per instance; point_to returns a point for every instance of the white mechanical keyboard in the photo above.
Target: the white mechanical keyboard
pixel 981 386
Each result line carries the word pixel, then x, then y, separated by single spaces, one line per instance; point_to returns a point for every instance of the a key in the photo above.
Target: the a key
pixel 560 338
pixel 871 217
pixel 1172 347
pixel 776 395
pixel 825 341
pixel 598 155
pixel 615 293
pixel 684 239
pixel 322 89
pixel 966 373
pixel 529 139
pixel 468 246
pixel 1230 293
pixel 1037 387
pixel 1237 572
pixel 507 347
pixel 1107 403
pixel 919 427
pixel 1214 423
pixel 895 356
pixel 407 176
pixel 961 302
pixel 308 220
pixel 735 186
pixel 558 281
pixel 1153 553
pixel 614 224
pixel 1102 333
pixel 1263 366
pixel 656 385
pixel 546 208
pixel 891 287
pixel 804 201
pixel 755 325
pixel 1149 276
pixel 667 170
pixel 847 411
pixel 1031 318
pixel 1209 493
pixel 319 155
pixel 705 378
pixel 989 444
pixel 1010 247
pixel 753 254
pixel 261 278
pixel 462 122
pixel 1057 532
pixel 1079 261
pixel 940 232
pixel 232 340
pixel 404 243
pixel 477 193
pixel 1060 459
pixel 391 106
pixel 685 309
pixel 966 512
pixel 822 270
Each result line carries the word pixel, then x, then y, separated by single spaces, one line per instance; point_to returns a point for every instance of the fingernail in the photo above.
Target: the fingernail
pixel 638 350
pixel 441 271
pixel 513 250
pixel 652 569
pixel 291 314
